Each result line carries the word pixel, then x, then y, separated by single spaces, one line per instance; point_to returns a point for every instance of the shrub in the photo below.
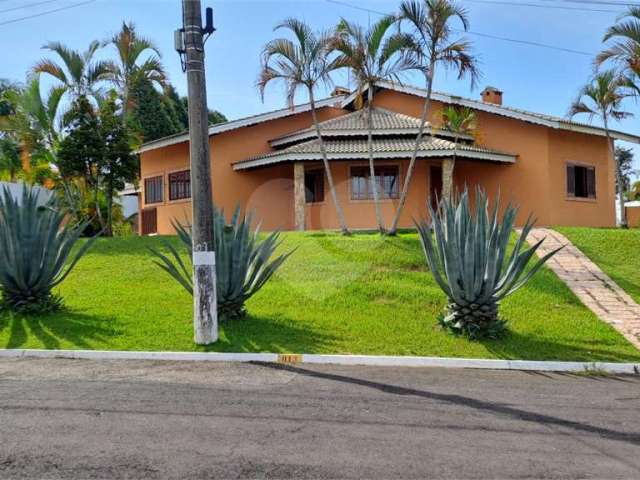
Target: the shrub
pixel 242 261
pixel 468 256
pixel 35 245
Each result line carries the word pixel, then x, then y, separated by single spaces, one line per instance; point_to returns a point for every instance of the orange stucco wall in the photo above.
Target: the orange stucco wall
pixel 536 181
pixel 633 217
pixel 269 192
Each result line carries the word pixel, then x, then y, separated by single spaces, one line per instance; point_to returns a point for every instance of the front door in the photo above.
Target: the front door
pixel 435 185
pixel 149 221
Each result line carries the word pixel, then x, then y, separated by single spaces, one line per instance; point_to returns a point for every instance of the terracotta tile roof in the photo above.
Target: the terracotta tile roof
pixel 356 148
pixel 382 119
pixel 385 122
pixel 526 115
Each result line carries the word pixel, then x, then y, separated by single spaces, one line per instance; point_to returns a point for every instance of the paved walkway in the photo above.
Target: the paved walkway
pixel 590 284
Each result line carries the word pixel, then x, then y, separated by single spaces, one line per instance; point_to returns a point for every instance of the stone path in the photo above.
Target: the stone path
pixel 590 284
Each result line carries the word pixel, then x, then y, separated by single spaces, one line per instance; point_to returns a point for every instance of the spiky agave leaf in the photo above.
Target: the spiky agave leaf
pixel 243 262
pixel 35 250
pixel 467 251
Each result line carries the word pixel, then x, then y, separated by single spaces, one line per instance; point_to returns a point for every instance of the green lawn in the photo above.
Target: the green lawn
pixel 615 251
pixel 363 294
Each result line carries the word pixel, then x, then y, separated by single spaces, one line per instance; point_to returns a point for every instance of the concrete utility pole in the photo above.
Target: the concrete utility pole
pixel 205 311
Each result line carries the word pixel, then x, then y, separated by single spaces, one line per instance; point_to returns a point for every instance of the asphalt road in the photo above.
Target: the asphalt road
pixel 124 419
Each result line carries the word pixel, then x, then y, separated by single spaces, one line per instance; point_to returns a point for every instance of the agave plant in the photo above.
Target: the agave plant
pixel 35 250
pixel 242 261
pixel 467 252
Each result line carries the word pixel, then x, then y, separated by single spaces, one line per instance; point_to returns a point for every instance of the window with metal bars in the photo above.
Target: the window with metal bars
pixel 180 185
pixel 387 180
pixel 153 190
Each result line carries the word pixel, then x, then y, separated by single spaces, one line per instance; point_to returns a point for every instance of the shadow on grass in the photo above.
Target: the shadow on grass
pixel 134 245
pixel 52 331
pixel 531 347
pixel 409 254
pixel 256 333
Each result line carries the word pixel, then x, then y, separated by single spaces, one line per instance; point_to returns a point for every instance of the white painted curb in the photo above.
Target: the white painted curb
pixel 372 360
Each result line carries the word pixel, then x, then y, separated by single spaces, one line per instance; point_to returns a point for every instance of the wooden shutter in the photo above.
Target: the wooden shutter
pixel 591 182
pixel 571 181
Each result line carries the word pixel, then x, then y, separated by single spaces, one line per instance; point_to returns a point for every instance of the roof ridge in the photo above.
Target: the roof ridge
pixel 330 122
pixel 533 117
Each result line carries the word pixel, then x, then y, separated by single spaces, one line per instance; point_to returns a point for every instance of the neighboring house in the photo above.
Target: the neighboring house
pixel 129 199
pixel 632 210
pixel 557 169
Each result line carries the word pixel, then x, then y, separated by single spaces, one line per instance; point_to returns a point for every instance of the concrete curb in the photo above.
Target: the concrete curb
pixel 373 360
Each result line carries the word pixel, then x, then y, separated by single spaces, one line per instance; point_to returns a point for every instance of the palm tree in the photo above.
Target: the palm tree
pixel 460 122
pixel 603 97
pixel 303 63
pixel 131 66
pixel 430 22
pixel 78 73
pixel 10 164
pixel 371 56
pixel 625 49
pixel 33 119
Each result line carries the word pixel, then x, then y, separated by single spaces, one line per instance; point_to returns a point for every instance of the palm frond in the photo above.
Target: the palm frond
pixel 52 68
pixel 377 33
pixel 458 57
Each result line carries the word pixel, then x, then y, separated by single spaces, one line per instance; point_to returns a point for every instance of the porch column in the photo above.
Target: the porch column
pixel 447 177
pixel 298 195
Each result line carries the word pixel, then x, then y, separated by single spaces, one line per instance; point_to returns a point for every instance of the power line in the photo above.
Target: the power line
pixel 556 7
pixel 26 6
pixel 527 42
pixel 27 17
pixel 480 34
pixel 377 12
pixel 596 2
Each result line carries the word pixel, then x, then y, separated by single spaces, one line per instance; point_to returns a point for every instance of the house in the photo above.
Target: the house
pixel 632 210
pixel 271 163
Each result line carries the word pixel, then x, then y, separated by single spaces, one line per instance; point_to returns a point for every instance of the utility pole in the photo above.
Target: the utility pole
pixel 205 311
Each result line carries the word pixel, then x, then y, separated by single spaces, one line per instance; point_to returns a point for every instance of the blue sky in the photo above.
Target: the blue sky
pixel 533 78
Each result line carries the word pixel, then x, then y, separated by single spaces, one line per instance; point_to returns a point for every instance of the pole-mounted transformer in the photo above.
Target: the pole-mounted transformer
pixel 207 30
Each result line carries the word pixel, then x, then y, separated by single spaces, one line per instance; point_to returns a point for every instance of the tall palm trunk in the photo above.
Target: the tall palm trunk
pixel 25 157
pixel 109 227
pixel 372 170
pixel 96 200
pixel 327 169
pixel 448 166
pixel 125 103
pixel 414 153
pixel 621 210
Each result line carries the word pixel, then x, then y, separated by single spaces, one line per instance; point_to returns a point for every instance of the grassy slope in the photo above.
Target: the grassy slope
pixel 615 251
pixel 334 295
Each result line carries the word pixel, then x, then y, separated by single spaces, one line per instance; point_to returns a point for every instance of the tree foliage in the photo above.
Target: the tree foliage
pixel 137 58
pixel 624 158
pixel 97 149
pixel 82 150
